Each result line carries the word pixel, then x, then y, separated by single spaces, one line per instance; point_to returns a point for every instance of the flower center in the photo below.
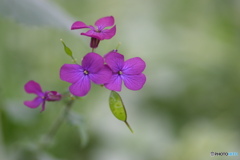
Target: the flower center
pixel 120 73
pixel 97 30
pixel 85 72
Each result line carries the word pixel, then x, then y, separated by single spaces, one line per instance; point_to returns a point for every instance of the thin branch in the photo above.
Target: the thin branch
pixel 47 138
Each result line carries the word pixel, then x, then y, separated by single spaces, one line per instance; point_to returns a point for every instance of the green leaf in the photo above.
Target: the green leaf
pixel 67 50
pixel 118 109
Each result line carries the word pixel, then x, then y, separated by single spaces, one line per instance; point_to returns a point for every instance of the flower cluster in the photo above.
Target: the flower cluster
pixel 110 70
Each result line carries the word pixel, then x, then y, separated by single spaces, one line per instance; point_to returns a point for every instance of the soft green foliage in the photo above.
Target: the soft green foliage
pixel 78 121
pixel 188 107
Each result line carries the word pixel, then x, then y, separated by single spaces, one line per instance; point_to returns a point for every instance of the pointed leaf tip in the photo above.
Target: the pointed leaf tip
pixel 66 49
pixel 129 127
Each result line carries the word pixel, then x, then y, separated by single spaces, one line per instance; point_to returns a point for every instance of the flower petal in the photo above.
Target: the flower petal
pixel 134 82
pixel 92 62
pixel 108 33
pixel 115 83
pixel 34 103
pixel 104 22
pixel 104 34
pixel 115 61
pixel 78 25
pixel 71 73
pixel 134 66
pixel 81 87
pixel 33 87
pixel 93 34
pixel 103 76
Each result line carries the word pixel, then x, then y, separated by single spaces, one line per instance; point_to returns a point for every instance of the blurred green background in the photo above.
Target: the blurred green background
pixel 188 107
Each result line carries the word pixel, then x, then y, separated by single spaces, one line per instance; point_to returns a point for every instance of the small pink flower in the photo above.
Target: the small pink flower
pixel 129 71
pixel 99 32
pixel 91 69
pixel 33 87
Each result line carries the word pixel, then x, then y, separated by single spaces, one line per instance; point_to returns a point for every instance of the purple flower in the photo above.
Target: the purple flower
pixel 92 69
pixel 99 32
pixel 33 87
pixel 129 71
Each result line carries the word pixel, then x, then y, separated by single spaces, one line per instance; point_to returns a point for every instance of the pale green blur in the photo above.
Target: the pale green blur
pixel 189 106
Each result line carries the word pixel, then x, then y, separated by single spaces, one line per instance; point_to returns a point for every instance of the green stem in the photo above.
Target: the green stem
pixel 2 148
pixel 74 60
pixel 128 126
pixel 119 43
pixel 47 138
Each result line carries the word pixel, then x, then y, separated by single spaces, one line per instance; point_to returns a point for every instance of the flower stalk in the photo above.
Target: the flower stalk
pixel 47 138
